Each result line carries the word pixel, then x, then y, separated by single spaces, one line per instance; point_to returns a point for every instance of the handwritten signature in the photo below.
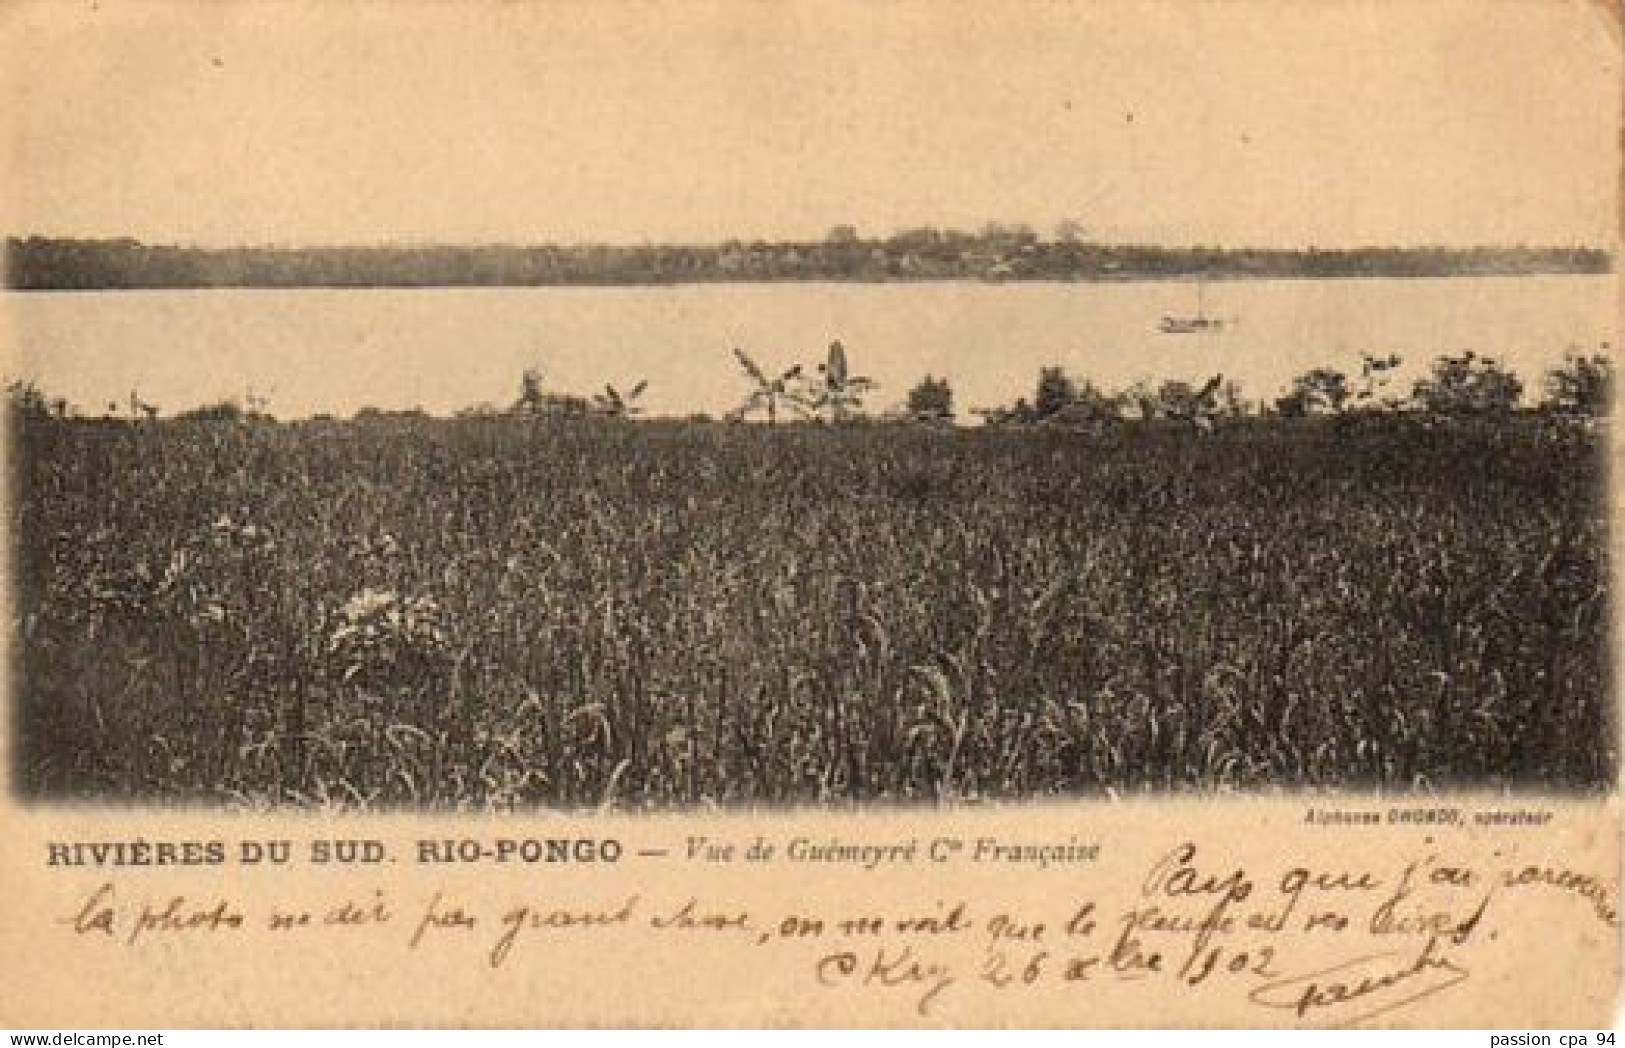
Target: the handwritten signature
pixel 1365 987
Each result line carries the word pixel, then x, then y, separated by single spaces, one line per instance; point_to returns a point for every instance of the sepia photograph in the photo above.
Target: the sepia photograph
pixel 932 514
pixel 724 406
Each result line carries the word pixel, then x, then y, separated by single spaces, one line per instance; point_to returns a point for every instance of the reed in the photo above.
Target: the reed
pixel 513 611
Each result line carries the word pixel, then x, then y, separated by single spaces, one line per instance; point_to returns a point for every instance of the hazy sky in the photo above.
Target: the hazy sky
pixel 1300 122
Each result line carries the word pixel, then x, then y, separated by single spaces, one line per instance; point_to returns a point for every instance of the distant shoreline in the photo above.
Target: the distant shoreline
pixel 46 264
pixel 9 289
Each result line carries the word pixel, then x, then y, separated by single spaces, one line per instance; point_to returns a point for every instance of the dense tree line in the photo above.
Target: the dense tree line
pixel 995 253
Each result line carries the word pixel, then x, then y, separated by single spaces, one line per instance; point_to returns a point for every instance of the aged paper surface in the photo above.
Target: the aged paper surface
pixel 915 931
pixel 989 780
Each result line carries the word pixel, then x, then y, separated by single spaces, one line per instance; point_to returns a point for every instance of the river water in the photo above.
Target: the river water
pixel 443 349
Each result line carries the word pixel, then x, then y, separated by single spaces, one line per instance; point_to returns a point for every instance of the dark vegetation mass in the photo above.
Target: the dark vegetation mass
pixel 540 608
pixel 996 252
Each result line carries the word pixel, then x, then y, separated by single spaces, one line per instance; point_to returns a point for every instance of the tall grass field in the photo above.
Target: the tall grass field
pixel 500 612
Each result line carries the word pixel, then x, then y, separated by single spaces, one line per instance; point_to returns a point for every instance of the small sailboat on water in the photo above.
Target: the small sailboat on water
pixel 1198 324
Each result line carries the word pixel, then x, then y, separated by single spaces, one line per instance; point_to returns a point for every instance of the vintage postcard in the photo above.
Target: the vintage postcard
pixel 812 513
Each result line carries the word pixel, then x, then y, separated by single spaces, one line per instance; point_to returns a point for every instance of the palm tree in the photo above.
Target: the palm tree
pixel 841 392
pixel 612 403
pixel 769 392
pixel 530 392
pixel 1200 408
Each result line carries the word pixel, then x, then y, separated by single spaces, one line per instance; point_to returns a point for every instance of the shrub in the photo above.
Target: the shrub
pixel 1319 391
pixel 220 411
pixel 931 400
pixel 1055 391
pixel 1581 386
pixel 1468 384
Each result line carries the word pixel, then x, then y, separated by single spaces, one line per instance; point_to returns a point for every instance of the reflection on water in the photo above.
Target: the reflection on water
pixel 338 350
